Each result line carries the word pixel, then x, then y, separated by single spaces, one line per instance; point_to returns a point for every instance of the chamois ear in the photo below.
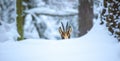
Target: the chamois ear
pixel 60 30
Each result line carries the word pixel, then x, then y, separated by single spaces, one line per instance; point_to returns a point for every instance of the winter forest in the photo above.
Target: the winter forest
pixel 59 30
pixel 25 19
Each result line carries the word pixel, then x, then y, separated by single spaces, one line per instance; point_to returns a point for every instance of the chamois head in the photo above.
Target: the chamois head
pixel 65 32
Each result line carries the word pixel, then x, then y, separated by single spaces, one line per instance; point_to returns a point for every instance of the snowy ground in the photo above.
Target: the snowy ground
pixel 97 45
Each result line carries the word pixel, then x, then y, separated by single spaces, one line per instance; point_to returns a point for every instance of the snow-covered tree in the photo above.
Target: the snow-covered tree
pixel 7 11
pixel 8 20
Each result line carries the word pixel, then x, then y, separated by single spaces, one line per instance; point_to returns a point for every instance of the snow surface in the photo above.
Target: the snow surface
pixel 97 45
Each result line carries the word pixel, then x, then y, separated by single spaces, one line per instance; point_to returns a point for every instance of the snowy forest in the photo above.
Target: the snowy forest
pixel 59 30
pixel 40 19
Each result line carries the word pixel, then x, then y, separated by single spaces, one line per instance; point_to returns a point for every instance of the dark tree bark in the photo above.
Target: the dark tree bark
pixel 85 16
pixel 20 19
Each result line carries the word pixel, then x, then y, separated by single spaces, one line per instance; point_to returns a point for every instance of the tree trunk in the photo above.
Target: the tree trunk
pixel 19 19
pixel 85 16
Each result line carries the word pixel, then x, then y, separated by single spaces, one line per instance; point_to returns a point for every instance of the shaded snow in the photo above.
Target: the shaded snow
pixel 8 32
pixel 97 45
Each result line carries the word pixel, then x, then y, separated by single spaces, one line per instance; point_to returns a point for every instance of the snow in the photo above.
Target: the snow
pixel 51 24
pixel 48 15
pixel 8 32
pixel 96 45
pixel 29 27
pixel 45 10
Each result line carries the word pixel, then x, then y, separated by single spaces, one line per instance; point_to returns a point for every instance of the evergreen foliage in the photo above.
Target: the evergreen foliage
pixel 111 16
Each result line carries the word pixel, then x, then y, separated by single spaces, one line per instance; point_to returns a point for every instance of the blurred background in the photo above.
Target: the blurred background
pixel 40 19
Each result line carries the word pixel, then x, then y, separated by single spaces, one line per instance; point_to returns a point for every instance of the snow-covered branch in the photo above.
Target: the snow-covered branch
pixel 51 12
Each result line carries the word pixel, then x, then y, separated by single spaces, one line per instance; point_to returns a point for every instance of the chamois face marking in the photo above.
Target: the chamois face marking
pixel 65 34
